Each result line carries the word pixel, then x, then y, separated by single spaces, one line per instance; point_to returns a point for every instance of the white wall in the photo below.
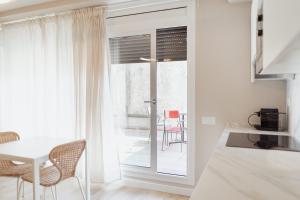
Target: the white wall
pixel 223 73
pixel 293 101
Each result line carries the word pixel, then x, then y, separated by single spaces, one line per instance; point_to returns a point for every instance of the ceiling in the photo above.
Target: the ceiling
pixel 20 7
pixel 20 3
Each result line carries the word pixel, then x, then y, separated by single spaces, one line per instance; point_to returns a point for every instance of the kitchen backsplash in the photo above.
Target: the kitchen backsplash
pixel 293 103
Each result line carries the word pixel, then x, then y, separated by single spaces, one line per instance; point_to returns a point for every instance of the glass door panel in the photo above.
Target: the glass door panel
pixel 149 89
pixel 172 117
pixel 172 101
pixel 130 86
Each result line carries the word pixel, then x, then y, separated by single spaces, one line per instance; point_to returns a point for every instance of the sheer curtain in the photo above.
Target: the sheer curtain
pixel 94 109
pixel 36 78
pixel 54 82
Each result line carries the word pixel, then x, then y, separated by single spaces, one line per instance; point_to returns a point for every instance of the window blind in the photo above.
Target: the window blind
pixel 130 49
pixel 171 44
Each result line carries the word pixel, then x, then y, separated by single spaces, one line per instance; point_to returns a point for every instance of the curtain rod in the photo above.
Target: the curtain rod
pixel 69 11
pixel 140 13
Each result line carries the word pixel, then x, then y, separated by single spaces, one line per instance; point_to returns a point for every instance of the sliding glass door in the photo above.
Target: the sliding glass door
pixel 149 87
pixel 152 67
pixel 171 84
pixel 130 84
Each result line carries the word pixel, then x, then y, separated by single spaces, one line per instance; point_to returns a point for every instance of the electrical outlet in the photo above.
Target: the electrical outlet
pixel 208 120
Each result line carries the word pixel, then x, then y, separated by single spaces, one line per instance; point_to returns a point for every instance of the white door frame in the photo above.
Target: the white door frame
pixel 153 94
pixel 117 28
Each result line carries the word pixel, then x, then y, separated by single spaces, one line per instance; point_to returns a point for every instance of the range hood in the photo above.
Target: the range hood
pixel 281 37
pixel 288 61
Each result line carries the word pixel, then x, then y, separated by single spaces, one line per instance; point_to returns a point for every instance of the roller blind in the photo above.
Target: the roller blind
pixel 171 44
pixel 130 49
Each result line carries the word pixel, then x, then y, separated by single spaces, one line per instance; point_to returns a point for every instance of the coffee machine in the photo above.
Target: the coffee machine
pixel 269 119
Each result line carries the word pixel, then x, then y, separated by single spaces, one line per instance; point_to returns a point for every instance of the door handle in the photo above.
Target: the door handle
pixel 153 101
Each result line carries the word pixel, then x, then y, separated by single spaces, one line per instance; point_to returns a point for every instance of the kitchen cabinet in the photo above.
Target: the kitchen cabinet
pixel 281 44
pixel 257 39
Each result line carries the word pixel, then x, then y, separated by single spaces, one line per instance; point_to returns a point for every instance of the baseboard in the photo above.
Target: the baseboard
pixel 143 184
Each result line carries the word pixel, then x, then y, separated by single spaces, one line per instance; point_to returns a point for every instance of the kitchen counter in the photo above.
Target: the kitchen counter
pixel 249 174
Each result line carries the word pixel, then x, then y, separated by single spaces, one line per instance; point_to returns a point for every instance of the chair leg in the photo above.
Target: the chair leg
pixel 182 139
pixel 80 186
pixel 19 189
pixel 18 181
pixel 166 138
pixel 56 196
pixel 44 193
pixel 163 141
pixel 54 193
pixel 149 138
pixel 167 141
pixel 23 188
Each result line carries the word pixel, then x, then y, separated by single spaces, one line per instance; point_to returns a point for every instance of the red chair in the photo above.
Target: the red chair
pixel 170 115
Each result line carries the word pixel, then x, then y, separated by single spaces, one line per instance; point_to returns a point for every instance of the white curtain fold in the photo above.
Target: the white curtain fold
pixel 94 108
pixel 54 82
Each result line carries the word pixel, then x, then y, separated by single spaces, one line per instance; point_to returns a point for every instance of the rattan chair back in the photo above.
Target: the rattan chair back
pixel 65 158
pixel 6 137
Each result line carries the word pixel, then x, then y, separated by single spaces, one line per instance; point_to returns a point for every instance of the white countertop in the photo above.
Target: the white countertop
pixel 249 174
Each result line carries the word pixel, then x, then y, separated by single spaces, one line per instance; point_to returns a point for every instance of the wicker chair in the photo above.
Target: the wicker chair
pixel 8 167
pixel 64 159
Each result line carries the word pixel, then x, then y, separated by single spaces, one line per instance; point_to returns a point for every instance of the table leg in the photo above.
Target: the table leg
pixel 36 180
pixel 87 175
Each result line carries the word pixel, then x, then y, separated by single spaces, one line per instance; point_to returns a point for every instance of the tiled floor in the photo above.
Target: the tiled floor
pixel 68 190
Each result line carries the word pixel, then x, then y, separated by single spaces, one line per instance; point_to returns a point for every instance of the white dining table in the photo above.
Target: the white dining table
pixel 36 151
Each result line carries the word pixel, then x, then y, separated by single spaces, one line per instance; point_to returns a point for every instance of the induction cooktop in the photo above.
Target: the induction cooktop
pixel 257 141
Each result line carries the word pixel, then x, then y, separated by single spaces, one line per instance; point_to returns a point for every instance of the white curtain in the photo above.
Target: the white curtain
pixel 54 83
pixel 36 78
pixel 94 108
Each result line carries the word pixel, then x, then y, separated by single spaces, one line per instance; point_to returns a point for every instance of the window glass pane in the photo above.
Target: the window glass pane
pixel 130 86
pixel 130 49
pixel 172 127
pixel 172 113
